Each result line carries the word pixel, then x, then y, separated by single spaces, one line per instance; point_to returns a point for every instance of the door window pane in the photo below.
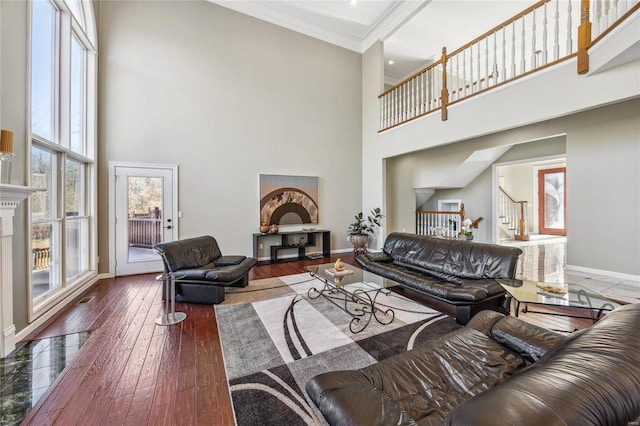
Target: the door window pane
pixel 77 96
pixel 144 200
pixel 43 50
pixel 42 177
pixel 554 200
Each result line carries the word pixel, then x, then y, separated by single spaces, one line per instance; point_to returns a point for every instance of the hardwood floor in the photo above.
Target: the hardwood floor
pixel 132 371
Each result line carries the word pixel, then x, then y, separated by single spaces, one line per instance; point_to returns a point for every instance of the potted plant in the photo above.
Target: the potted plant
pixel 360 230
pixel 466 233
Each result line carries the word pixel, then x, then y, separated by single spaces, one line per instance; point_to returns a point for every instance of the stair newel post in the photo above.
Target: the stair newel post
pixel 445 92
pixel 584 38
pixel 462 214
pixel 522 234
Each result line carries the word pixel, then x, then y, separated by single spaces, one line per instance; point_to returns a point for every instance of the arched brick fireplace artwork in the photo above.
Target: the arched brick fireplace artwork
pixel 288 200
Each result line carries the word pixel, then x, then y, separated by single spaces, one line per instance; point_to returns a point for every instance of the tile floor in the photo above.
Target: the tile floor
pixel 545 260
pixel 27 372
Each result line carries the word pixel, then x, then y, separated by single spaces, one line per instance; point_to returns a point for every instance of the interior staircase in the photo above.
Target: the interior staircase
pixel 513 216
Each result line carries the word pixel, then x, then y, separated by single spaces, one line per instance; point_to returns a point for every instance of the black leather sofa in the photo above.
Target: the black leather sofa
pixel 461 275
pixel 497 371
pixel 202 271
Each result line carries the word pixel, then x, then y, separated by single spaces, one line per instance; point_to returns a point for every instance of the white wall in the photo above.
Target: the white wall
pixel 603 182
pixel 227 97
pixel 541 98
pixel 603 189
pixel 13 108
pixel 406 172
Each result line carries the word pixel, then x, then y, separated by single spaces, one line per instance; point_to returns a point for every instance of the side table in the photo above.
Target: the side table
pixel 170 315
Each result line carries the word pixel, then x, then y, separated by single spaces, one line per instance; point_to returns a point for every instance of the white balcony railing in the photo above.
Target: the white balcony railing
pixel 549 32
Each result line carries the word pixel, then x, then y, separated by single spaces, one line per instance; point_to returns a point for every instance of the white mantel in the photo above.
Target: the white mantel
pixel 10 198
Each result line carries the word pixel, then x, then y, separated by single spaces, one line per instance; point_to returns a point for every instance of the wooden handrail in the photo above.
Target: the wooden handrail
pixel 500 26
pixel 506 195
pixel 611 27
pixel 406 80
pixel 417 95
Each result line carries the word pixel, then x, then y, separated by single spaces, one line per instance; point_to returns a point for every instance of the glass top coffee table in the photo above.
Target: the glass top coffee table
pixel 573 296
pixel 356 293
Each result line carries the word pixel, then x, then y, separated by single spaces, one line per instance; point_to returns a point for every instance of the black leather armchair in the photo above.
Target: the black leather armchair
pixel 201 271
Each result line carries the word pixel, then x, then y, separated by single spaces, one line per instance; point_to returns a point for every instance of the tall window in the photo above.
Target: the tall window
pixel 43 54
pixel 63 88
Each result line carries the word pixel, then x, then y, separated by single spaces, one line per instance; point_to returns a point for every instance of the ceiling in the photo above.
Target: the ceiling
pixel 413 31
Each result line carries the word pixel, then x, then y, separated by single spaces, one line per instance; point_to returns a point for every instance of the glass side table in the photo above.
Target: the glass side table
pixel 170 315
pixel 570 296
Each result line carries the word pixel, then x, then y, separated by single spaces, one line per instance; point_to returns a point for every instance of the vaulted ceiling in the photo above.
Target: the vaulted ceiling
pixel 413 31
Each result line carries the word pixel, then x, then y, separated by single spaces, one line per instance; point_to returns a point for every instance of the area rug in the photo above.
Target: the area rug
pixel 275 338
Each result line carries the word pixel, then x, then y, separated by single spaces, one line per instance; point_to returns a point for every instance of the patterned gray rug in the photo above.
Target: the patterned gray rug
pixel 275 338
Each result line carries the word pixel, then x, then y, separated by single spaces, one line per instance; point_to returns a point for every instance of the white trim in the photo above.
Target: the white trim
pixel 344 250
pixel 495 237
pixel 612 274
pixel 394 18
pixel 63 303
pixel 112 203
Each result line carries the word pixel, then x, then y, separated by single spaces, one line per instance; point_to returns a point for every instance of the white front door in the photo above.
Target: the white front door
pixel 145 215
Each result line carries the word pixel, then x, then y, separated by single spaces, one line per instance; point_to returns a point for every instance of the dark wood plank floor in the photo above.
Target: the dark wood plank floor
pixel 132 371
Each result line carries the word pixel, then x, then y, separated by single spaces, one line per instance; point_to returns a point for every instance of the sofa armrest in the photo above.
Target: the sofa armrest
pixel 377 256
pixel 348 398
pixel 527 340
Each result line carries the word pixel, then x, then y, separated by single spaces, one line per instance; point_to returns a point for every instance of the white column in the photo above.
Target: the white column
pixel 10 198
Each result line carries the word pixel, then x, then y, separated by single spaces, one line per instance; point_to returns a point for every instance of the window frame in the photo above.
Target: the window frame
pixel 68 29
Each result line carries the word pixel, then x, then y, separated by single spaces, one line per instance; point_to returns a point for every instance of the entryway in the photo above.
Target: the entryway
pixel 530 198
pixel 144 210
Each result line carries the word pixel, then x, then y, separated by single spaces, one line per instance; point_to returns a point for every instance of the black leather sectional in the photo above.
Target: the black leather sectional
pixel 461 274
pixel 202 271
pixel 497 371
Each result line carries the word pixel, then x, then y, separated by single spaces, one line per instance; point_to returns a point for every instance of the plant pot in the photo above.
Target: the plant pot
pixel 359 242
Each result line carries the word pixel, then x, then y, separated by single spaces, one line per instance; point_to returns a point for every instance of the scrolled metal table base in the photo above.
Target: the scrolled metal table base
pixel 365 306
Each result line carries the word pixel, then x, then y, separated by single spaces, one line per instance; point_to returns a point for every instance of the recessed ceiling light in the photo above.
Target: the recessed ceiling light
pixel 391 62
pixel 354 2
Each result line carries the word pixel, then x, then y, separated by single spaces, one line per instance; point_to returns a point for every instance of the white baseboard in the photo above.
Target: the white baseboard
pixel 56 308
pixel 344 250
pixel 604 273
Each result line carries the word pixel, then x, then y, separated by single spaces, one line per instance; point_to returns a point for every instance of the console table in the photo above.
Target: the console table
pixel 299 240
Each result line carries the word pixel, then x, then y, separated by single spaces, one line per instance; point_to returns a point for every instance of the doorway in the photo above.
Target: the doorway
pixel 145 213
pixel 520 181
pixel 552 198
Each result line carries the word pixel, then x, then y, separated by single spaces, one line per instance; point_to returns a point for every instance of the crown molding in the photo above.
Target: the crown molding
pixel 381 30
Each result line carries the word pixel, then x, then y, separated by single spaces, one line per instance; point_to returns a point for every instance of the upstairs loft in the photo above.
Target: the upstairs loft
pixel 517 74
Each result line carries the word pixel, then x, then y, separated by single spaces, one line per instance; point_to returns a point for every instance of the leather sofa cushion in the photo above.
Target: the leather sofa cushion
pixel 590 378
pixel 434 285
pixel 229 260
pixel 422 385
pixel 453 257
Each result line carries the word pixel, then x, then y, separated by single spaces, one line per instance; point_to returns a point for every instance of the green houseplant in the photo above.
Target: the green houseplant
pixel 360 230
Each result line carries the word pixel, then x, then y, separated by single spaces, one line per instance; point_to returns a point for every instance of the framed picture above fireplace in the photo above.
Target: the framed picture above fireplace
pixel 288 200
